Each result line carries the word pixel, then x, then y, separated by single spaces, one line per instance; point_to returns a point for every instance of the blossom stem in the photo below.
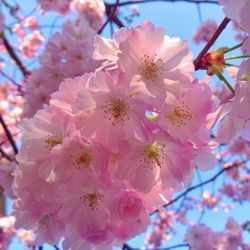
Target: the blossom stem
pixel 233 48
pixel 222 78
pixel 228 64
pixel 236 57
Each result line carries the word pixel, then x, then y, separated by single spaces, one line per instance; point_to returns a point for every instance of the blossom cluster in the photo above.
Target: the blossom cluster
pixel 237 187
pixel 126 128
pixel 30 38
pixel 163 229
pixel 67 54
pixel 236 114
pixel 235 111
pixel 7 232
pixel 90 10
pixel 199 236
pixel 113 144
pixel 10 110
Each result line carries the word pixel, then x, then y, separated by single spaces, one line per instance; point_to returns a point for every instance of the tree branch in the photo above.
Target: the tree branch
pixel 110 13
pixel 8 134
pixel 170 1
pixel 127 247
pixel 14 56
pixel 222 26
pixel 5 155
pixel 19 87
pixel 200 184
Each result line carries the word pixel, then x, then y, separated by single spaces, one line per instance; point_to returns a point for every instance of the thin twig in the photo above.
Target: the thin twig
pixel 127 247
pixel 5 155
pixel 8 134
pixel 14 56
pixel 176 246
pixel 170 1
pixel 200 184
pixel 19 87
pixel 110 13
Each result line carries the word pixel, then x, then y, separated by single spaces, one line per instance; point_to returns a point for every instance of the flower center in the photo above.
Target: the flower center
pixel 82 158
pixel 43 222
pixel 151 68
pixel 180 115
pixel 92 200
pixel 114 159
pixel 53 140
pixel 154 155
pixel 116 110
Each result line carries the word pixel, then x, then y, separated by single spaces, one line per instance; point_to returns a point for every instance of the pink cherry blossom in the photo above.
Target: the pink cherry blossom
pixel 7 177
pixel 31 22
pixel 237 121
pixel 219 241
pixel 62 59
pixel 108 49
pixel 238 12
pixel 31 44
pixel 83 154
pixel 184 119
pixel 199 236
pixel 119 113
pixel 75 155
pixel 57 5
pixel 161 59
pixel 234 234
pixel 68 91
pixel 155 160
pixel 210 200
pixel 91 10
pixel 19 30
pixel 231 9
pixel 130 215
pixel 7 231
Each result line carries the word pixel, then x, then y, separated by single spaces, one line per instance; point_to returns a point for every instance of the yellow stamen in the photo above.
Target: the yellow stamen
pixel 154 154
pixel 83 158
pixel 116 110
pixel 180 115
pixel 53 140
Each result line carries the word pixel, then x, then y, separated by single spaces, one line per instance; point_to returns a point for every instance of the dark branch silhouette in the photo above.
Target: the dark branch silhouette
pixel 14 56
pixel 8 134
